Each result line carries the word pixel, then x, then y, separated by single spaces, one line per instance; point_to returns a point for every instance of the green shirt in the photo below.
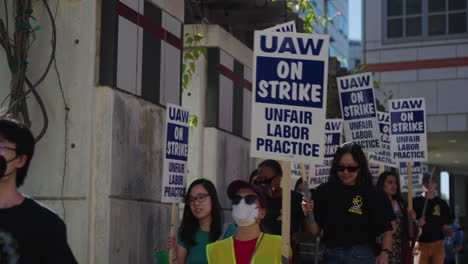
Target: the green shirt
pixel 197 253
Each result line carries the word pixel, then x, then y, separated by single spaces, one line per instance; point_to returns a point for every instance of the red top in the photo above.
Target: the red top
pixel 244 250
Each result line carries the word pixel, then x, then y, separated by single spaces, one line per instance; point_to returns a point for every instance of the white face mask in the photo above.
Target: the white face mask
pixel 244 214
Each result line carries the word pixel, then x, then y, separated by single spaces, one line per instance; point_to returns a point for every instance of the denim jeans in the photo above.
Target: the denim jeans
pixel 358 254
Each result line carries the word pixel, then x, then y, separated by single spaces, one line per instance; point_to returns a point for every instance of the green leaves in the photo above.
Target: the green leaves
pixel 192 53
pixel 193 121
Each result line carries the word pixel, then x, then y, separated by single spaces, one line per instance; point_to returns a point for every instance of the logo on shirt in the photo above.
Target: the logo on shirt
pixel 8 248
pixel 436 210
pixel 357 205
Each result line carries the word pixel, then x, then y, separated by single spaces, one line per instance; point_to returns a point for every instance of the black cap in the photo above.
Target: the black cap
pixel 236 185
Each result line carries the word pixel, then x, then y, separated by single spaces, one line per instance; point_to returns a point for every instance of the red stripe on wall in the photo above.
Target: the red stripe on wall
pixel 417 65
pixel 148 25
pixel 234 77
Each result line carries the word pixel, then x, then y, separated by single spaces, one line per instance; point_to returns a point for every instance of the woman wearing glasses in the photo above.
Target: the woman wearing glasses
pixel 201 224
pixel 249 245
pixel 350 211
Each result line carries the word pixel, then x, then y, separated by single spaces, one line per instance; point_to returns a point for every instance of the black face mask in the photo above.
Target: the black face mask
pixel 3 165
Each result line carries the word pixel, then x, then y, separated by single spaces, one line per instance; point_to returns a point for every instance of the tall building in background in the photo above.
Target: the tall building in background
pixel 354 57
pixel 337 28
pixel 419 48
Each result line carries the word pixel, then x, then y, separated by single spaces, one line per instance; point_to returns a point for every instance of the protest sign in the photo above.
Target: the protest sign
pixel 359 110
pixel 375 169
pixel 408 130
pixel 320 172
pixel 296 169
pixel 384 156
pixel 288 104
pixel 285 27
pixel 416 176
pixel 175 154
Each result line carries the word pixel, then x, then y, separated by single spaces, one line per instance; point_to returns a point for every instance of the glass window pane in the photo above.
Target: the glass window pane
pixel 413 7
pixel 331 10
pixel 413 27
pixel 436 5
pixel 395 28
pixel 394 7
pixel 436 25
pixel 457 4
pixel 457 23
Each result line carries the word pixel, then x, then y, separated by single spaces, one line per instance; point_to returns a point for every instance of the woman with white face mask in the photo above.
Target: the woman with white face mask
pixel 250 245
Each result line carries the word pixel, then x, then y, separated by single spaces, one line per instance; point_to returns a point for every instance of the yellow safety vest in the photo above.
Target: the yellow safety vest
pixel 268 251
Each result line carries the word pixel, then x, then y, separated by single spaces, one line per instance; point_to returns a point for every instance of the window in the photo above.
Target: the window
pixel 416 19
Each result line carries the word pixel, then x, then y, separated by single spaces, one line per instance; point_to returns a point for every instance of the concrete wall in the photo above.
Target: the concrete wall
pixel 216 153
pixel 99 169
pixel 59 175
pixel 128 214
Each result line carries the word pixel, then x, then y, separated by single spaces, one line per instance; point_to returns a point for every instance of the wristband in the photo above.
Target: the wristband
pixel 387 251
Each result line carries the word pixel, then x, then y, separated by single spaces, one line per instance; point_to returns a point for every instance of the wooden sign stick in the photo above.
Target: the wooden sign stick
pixel 305 182
pixel 172 256
pixel 286 211
pixel 410 196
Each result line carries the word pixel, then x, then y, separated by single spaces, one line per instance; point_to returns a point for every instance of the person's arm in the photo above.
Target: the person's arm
pixel 181 254
pixel 57 249
pixel 310 231
pixel 308 207
pixel 387 240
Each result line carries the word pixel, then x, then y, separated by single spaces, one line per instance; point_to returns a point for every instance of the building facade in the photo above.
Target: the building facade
pixel 337 27
pixel 420 49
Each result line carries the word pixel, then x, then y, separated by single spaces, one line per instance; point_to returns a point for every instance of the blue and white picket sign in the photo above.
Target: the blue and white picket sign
pixel 416 175
pixel 320 172
pixel 408 129
pixel 375 170
pixel 175 154
pixel 425 168
pixel 290 94
pixel 284 27
pixel 384 156
pixel 296 169
pixel 359 111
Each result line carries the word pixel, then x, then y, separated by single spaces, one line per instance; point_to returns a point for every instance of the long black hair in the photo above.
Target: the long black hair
pixel 381 181
pixel 364 177
pixel 190 224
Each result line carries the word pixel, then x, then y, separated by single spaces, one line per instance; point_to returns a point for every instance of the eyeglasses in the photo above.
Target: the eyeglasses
pixel 2 147
pixel 200 198
pixel 249 199
pixel 349 169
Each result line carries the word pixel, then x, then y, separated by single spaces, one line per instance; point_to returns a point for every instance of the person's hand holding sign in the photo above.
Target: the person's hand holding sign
pixel 307 205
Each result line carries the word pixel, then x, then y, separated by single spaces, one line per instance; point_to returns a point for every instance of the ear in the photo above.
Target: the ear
pixel 21 161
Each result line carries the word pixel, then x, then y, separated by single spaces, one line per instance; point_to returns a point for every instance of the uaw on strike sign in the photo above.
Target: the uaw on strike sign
pixel 320 172
pixel 359 110
pixel 175 154
pixel 383 157
pixel 408 129
pixel 290 94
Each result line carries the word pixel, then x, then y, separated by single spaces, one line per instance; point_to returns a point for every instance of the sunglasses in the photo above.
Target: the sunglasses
pixel 249 199
pixel 349 169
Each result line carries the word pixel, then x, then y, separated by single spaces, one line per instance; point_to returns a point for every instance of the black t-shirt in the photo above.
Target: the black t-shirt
pixel 272 221
pixel 351 215
pixel 437 215
pixel 33 234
